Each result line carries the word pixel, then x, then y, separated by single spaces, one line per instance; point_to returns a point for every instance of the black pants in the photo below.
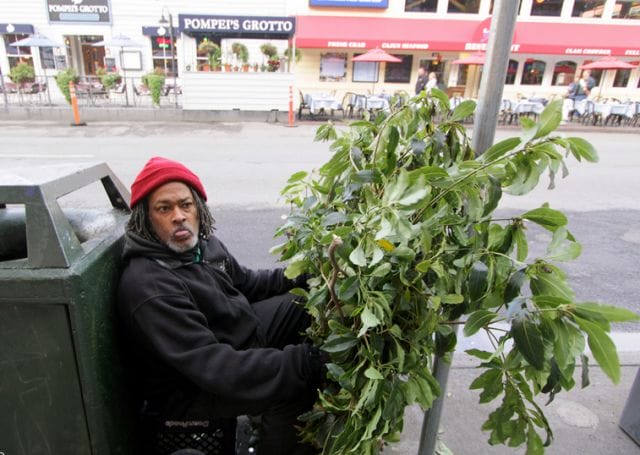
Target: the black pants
pixel 282 323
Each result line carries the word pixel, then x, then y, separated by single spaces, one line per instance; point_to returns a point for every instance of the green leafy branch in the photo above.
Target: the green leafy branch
pixel 397 228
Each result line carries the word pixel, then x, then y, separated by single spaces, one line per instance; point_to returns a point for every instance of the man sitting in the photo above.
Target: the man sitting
pixel 209 337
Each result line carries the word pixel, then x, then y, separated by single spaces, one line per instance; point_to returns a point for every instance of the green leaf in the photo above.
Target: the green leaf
pixel 358 257
pixel 521 244
pixel 499 149
pixel 547 218
pixel 477 320
pixel 549 280
pixel 348 288
pixel 297 176
pixel 478 280
pixel 296 268
pixel 333 218
pixel 491 382
pixel 452 299
pixel 550 118
pixel 369 320
pixel 326 132
pixel 529 342
pixel 584 361
pixel 372 373
pixel 534 442
pixel 463 110
pixel 339 343
pixel 562 248
pixel 582 149
pixel 602 348
pixel 482 355
pixel 593 311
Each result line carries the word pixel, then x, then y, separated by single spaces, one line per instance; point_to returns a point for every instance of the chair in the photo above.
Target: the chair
pixel 303 105
pixel 506 112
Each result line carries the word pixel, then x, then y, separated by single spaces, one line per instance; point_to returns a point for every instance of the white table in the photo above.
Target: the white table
pixel 371 103
pixel 321 102
pixel 606 110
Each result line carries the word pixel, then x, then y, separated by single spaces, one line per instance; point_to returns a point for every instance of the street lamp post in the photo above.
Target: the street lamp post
pixel 169 20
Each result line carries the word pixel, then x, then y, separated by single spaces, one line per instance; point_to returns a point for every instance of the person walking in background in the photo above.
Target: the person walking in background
pixel 432 82
pixel 421 83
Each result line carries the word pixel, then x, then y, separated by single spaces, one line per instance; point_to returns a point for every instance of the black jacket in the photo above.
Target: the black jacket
pixel 192 327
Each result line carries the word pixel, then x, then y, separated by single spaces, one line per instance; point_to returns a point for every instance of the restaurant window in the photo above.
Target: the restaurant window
pixel 399 72
pixel 491 7
pixel 546 7
pixel 464 6
pixel 333 67
pixel 532 72
pixel 563 73
pixel 626 9
pixel 512 69
pixel 583 8
pixel 365 71
pixel 17 54
pixel 622 78
pixel 161 54
pixel 422 6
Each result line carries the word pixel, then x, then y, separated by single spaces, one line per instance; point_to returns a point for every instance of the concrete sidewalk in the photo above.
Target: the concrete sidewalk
pixel 584 421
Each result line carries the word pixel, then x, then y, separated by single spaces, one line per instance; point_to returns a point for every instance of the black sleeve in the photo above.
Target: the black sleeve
pixel 259 284
pixel 171 325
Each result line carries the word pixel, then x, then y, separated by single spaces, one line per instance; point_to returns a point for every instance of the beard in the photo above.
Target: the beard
pixel 182 246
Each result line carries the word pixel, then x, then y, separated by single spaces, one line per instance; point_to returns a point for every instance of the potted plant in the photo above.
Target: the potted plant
pixel 110 80
pixel 22 73
pixel 269 50
pixel 62 80
pixel 242 54
pixel 154 81
pixel 213 52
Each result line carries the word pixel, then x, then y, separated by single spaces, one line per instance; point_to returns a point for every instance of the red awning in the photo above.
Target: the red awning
pixel 579 39
pixel 385 33
pixel 464 35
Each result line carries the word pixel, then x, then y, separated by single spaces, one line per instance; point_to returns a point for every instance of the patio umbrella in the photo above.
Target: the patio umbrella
pixel 607 63
pixel 37 40
pixel 376 55
pixel 120 41
pixel 473 59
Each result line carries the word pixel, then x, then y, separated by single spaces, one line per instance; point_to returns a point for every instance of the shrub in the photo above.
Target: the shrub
pixel 110 80
pixel 62 80
pixel 154 81
pixel 22 73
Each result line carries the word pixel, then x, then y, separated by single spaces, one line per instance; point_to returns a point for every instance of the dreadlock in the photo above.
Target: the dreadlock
pixel 140 224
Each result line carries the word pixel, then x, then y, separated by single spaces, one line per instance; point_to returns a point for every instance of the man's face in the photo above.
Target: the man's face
pixel 174 216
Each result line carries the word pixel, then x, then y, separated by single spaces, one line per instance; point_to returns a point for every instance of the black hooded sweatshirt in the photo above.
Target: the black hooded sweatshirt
pixel 192 328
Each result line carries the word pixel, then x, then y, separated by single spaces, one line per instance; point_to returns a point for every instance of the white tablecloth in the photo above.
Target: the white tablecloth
pixel 321 101
pixel 527 107
pixel 607 109
pixel 371 102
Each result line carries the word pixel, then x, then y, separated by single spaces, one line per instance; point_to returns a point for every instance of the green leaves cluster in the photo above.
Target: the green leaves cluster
pixel 397 229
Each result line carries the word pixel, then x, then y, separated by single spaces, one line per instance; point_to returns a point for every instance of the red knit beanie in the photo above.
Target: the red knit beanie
pixel 159 171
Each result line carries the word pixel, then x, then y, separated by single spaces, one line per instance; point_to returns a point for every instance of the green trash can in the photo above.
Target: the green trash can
pixel 62 384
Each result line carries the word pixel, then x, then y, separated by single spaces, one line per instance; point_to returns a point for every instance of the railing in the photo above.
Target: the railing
pixel 44 92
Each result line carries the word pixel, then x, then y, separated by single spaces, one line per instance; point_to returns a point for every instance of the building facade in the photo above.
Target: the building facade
pixel 553 38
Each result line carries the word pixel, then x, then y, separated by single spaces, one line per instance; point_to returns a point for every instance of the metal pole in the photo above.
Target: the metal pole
pixel 173 60
pixel 505 13
pixel 4 92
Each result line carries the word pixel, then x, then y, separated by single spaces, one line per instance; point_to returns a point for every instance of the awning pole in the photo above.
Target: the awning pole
pixel 505 13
